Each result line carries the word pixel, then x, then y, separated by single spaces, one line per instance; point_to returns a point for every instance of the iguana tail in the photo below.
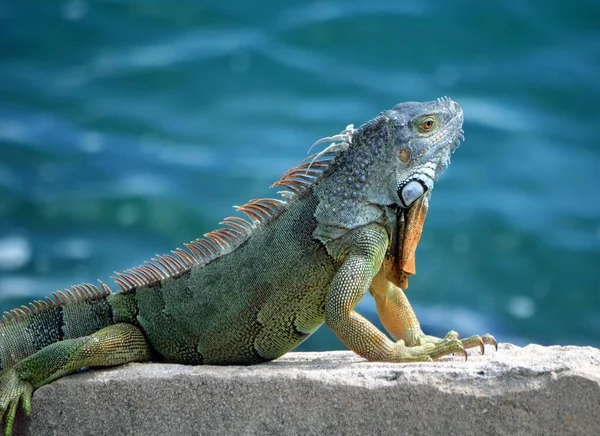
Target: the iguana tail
pixel 49 339
pixel 80 311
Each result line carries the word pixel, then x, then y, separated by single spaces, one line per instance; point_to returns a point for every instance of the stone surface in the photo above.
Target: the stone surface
pixel 516 391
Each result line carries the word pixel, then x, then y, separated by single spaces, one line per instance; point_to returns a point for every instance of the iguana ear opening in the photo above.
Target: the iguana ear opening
pixel 399 262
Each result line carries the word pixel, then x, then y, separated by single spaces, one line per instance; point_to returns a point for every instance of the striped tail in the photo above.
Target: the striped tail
pixel 76 312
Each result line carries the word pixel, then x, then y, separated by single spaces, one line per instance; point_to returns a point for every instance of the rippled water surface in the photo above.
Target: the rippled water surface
pixel 129 127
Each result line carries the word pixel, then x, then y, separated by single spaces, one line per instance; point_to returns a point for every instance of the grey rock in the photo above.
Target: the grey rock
pixel 533 390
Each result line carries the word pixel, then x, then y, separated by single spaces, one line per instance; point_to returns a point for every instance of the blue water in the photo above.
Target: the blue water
pixel 130 127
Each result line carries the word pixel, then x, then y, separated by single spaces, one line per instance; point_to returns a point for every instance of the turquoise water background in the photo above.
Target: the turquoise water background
pixel 130 127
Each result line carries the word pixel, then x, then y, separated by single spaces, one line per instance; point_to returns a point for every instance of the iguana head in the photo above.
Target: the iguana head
pixel 425 136
pixel 421 139
pixel 387 167
pixel 408 147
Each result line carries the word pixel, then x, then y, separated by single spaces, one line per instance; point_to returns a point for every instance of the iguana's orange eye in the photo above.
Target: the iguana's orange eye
pixel 404 155
pixel 426 124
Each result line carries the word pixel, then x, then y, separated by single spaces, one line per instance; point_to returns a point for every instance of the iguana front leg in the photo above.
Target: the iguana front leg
pixel 362 251
pixel 399 318
pixel 113 345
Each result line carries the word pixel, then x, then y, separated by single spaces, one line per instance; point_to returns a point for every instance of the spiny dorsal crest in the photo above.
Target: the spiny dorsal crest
pixel 236 230
pixel 78 293
pixel 201 251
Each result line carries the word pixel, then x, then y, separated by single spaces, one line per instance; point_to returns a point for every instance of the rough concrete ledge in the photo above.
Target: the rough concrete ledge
pixel 518 391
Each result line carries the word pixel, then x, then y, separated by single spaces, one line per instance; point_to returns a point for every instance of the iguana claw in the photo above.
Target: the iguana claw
pixel 452 344
pixel 490 340
pixel 474 341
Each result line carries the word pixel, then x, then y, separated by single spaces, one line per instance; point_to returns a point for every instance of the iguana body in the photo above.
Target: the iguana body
pixel 254 290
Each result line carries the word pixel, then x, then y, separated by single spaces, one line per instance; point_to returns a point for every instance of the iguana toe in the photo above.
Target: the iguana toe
pixel 480 341
pixel 449 345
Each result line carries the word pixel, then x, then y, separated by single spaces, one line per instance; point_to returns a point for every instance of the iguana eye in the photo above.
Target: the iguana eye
pixel 404 155
pixel 427 125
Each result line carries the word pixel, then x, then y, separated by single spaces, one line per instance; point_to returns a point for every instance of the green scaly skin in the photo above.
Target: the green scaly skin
pixel 257 288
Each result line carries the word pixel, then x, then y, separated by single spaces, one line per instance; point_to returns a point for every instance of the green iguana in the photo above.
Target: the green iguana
pixel 350 220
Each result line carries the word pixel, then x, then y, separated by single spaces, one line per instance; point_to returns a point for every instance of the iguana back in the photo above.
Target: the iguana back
pixel 253 304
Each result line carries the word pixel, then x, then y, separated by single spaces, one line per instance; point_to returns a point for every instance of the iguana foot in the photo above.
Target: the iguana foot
pixel 470 342
pixel 424 348
pixel 13 391
pixel 427 350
